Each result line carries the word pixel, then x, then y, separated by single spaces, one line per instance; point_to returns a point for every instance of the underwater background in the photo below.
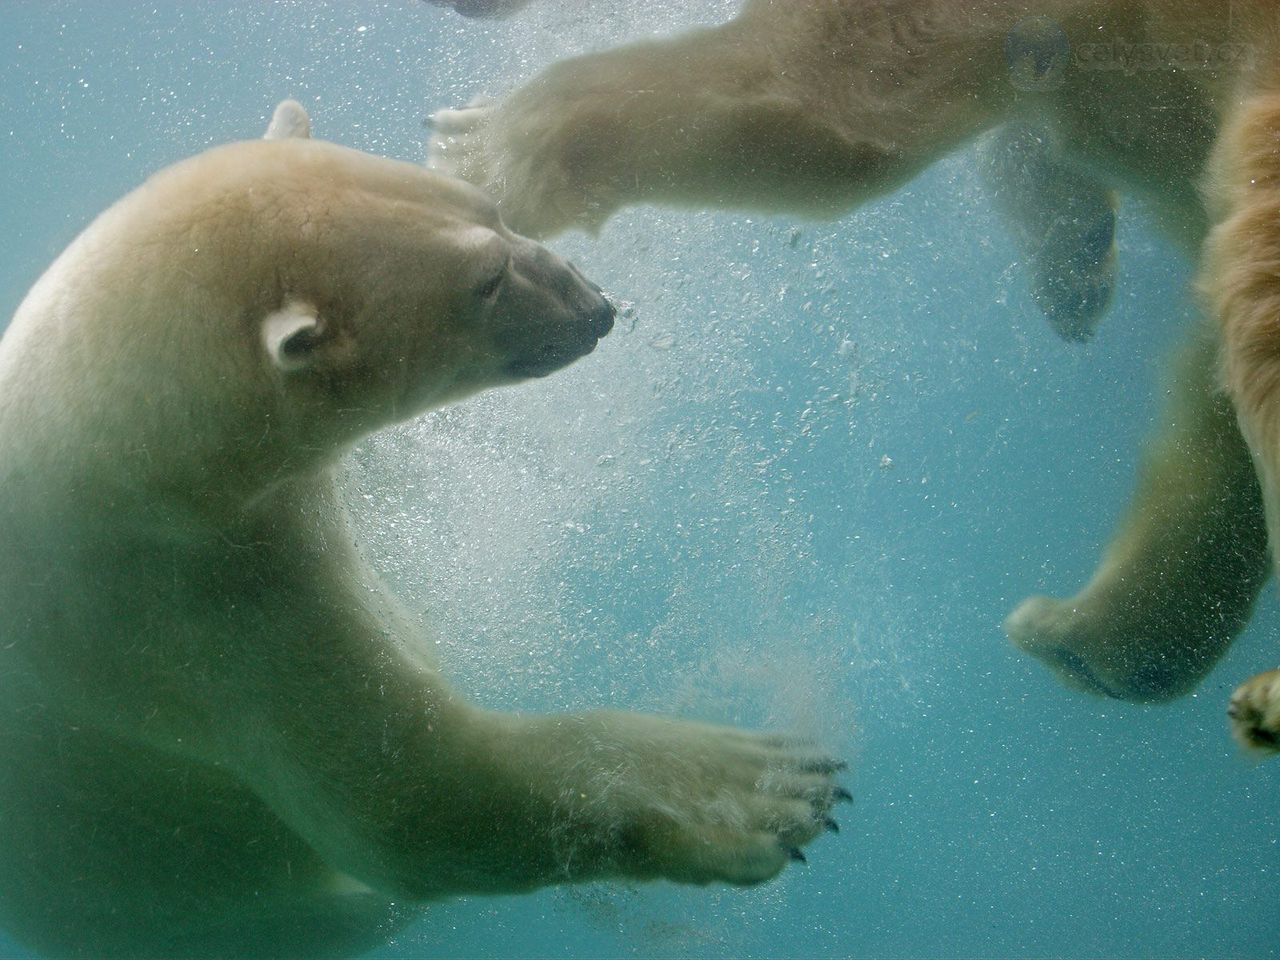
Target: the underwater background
pixel 798 487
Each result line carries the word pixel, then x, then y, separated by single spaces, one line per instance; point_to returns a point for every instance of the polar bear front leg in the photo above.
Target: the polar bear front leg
pixel 807 108
pixel 467 801
pixel 1180 577
pixel 419 795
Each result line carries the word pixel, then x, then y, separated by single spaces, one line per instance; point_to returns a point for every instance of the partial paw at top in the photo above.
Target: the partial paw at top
pixel 290 121
pixel 540 154
pixel 483 8
pixel 458 142
pixel 475 143
pixel 1255 712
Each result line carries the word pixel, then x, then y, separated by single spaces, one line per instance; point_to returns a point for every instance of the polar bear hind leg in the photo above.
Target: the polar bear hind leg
pixel 1063 222
pixel 1180 577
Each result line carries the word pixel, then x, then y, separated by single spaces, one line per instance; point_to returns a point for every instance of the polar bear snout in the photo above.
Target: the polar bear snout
pixel 536 357
pixel 601 320
pixel 550 314
pixel 601 312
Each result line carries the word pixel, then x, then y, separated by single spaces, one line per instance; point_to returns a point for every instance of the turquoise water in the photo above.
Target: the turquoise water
pixel 799 486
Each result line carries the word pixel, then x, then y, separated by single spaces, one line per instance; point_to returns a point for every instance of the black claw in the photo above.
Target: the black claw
pixel 796 854
pixel 842 795
pixel 831 825
pixel 824 766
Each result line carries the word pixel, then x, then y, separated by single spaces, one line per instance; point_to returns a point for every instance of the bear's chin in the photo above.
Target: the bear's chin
pixel 547 361
pixel 585 333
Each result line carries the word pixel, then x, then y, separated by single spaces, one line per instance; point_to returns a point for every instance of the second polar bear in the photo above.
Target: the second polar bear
pixel 812 107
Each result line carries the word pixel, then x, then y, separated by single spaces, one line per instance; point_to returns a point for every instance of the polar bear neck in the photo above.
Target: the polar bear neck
pixel 103 426
pixel 110 436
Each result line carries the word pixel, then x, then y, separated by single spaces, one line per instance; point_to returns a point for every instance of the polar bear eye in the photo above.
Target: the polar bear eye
pixel 488 289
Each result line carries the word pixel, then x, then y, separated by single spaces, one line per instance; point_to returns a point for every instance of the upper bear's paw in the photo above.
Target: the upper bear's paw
pixel 546 154
pixel 483 8
pixel 470 143
pixel 650 798
pixel 1255 712
pixel 1099 655
pixel 458 140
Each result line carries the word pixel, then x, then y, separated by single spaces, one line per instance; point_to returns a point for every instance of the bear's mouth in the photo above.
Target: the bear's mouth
pixel 547 358
pixel 550 358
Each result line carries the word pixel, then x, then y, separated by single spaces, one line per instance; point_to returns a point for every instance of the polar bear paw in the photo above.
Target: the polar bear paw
pixel 1254 711
pixel 1118 653
pixel 541 156
pixel 473 144
pixel 650 798
pixel 459 140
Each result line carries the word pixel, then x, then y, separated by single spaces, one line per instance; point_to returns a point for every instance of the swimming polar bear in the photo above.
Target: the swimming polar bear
pixel 811 108
pixel 218 737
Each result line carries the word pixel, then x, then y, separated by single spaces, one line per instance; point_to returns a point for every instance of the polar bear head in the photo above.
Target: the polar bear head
pixel 382 255
pixel 251 311
pixel 400 290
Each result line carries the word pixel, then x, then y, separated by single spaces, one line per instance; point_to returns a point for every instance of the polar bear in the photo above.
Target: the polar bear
pixel 811 107
pixel 217 734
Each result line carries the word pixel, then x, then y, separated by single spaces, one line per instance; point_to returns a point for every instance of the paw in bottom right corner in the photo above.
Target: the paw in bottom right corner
pixel 1254 711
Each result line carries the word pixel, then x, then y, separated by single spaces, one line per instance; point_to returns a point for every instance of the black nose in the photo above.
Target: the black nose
pixel 602 319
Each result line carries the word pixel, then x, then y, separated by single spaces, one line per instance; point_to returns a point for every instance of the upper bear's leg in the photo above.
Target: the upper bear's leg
pixel 1180 577
pixel 802 107
pixel 1063 221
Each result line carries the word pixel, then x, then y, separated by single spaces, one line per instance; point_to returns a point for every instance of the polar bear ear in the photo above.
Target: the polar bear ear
pixel 291 336
pixel 289 120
